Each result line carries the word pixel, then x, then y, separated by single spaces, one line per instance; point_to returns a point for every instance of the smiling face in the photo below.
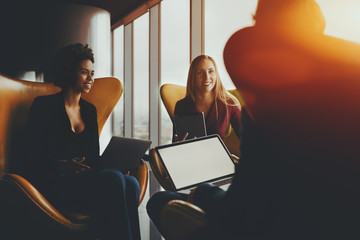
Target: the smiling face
pixel 84 76
pixel 205 76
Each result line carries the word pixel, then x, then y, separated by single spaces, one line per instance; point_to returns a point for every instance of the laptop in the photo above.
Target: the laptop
pixel 191 123
pixel 124 153
pixel 192 162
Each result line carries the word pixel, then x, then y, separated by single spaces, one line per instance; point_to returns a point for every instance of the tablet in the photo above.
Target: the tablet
pixel 191 123
pixel 192 162
pixel 124 153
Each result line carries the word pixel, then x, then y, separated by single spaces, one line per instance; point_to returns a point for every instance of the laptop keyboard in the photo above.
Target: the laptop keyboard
pixel 222 182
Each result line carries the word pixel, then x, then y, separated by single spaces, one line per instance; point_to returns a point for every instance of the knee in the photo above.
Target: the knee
pixel 202 188
pixel 111 177
pixel 157 202
pixel 132 185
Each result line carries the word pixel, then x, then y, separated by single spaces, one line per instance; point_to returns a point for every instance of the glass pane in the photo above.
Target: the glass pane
pixel 342 18
pixel 175 52
pixel 118 71
pixel 220 25
pixel 141 77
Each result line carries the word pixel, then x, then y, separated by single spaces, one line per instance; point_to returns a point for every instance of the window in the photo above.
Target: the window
pixel 141 77
pixel 220 25
pixel 175 52
pixel 342 18
pixel 118 72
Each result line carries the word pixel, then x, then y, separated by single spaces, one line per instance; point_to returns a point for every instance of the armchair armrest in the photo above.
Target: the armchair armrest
pixel 141 174
pixel 20 184
pixel 181 220
pixel 159 171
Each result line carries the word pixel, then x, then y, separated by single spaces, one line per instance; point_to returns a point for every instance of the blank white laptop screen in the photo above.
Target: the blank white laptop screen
pixel 192 162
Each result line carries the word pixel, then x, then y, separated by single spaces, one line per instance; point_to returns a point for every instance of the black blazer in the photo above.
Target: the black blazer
pixel 51 138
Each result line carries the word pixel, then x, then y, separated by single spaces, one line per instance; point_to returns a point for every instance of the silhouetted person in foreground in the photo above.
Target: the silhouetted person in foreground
pixel 301 93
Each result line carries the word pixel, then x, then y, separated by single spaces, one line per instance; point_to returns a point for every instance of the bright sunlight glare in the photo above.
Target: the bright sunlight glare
pixel 342 18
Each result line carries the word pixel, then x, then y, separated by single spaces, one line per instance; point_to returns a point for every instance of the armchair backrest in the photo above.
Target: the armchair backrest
pixel 171 93
pixel 16 97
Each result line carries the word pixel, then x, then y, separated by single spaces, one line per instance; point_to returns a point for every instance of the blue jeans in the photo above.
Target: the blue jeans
pixel 108 196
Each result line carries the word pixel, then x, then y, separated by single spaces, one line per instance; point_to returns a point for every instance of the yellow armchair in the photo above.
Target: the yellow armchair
pixel 23 208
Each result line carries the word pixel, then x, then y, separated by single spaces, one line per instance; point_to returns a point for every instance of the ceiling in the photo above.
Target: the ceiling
pixel 118 8
pixel 26 34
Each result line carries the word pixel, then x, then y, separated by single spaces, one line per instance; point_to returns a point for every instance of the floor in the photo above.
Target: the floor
pixel 144 220
pixel 148 230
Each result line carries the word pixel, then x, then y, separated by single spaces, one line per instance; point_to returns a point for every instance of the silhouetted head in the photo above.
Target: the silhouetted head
pixel 62 70
pixel 298 14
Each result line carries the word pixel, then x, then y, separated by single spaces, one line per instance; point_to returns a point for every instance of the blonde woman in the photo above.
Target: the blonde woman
pixel 205 93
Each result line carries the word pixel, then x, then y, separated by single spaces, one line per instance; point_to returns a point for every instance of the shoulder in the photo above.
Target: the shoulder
pixel 87 106
pixel 185 101
pixel 239 37
pixel 51 97
pixel 184 104
pixel 235 109
pixel 239 44
pixel 47 100
pixel 233 106
pixel 44 107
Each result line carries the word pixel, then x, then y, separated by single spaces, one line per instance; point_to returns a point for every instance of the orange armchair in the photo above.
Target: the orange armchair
pixel 24 209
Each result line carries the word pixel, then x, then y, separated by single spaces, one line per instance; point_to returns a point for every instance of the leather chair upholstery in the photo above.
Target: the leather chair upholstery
pixel 23 208
pixel 181 213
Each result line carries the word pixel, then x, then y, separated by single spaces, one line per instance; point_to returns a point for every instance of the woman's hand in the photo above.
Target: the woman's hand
pixel 191 196
pixel 73 167
pixel 177 139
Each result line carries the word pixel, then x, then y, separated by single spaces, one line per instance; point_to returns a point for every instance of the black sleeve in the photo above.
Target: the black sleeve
pixel 176 111
pixel 94 160
pixel 38 162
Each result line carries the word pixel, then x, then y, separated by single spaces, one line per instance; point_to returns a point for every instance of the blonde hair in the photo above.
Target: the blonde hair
pixel 220 93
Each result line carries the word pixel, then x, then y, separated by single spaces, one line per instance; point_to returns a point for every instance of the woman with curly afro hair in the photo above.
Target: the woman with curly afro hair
pixel 64 151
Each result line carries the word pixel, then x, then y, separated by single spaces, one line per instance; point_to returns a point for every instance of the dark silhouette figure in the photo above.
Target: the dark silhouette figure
pixel 301 91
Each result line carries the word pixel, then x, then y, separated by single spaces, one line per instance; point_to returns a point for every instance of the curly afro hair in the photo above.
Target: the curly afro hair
pixel 62 68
